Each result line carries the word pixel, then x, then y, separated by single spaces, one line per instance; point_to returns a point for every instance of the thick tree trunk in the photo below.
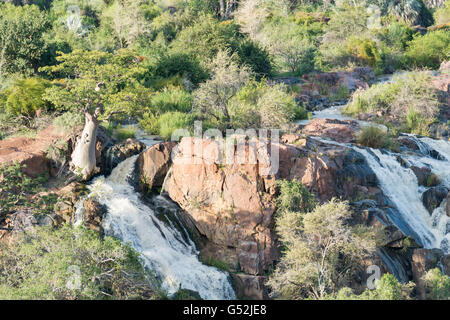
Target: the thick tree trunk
pixel 83 156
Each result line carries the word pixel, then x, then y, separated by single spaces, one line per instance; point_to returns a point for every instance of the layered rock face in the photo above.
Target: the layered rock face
pixel 230 204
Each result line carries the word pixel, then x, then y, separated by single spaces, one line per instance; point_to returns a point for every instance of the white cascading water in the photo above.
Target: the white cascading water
pixel 163 248
pixel 400 185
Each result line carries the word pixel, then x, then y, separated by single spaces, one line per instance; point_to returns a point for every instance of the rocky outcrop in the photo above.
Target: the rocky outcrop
pixel 30 152
pixel 111 156
pixel 422 174
pixel 433 197
pixel 337 84
pixel 337 130
pixel 93 215
pixel 153 165
pixel 232 204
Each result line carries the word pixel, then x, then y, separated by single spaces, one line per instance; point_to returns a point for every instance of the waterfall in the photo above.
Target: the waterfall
pixel 400 185
pixel 163 247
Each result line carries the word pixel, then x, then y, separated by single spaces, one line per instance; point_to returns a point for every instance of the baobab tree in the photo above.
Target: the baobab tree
pixel 101 85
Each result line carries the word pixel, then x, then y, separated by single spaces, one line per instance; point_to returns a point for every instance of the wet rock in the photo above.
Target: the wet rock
pixel 153 165
pixel 249 287
pixel 118 153
pixel 422 174
pixel 433 197
pixel 337 130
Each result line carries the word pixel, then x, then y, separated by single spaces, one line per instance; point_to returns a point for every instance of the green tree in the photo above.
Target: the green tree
pixel 101 85
pixel 387 288
pixel 322 251
pixel 21 38
pixel 72 263
pixel 437 285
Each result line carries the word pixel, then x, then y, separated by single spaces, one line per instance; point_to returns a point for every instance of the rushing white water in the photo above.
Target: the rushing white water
pixel 401 186
pixel 163 248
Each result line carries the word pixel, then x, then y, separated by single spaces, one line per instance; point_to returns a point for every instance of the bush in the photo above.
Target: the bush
pixel 306 269
pixel 388 288
pixel 174 99
pixel 46 264
pixel 437 285
pixel 442 14
pixel 170 121
pixel 364 50
pixel 295 197
pixel 410 99
pixel 124 133
pixel 25 97
pixel 429 50
pixel 374 137
pixel 180 64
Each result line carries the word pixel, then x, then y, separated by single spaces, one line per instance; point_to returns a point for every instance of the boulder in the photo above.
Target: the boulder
pixel 337 130
pixel 153 165
pixel 232 204
pixel 249 287
pixel 447 207
pixel 228 203
pixel 422 174
pixel 115 154
pixel 433 197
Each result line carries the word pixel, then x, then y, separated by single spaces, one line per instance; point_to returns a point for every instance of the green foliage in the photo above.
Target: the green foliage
pixel 295 197
pixel 410 99
pixel 173 99
pixel 16 187
pixel 429 50
pixel 170 121
pixel 388 288
pixel 69 121
pixel 180 64
pixel 42 264
pixel 21 38
pixel 100 82
pixel 25 97
pixel 437 285
pixel 365 50
pixel 442 14
pixel 374 137
pixel 121 133
pixel 322 251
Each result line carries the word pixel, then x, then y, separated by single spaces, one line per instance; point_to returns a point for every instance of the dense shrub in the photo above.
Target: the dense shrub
pixel 25 97
pixel 72 263
pixel 437 285
pixel 307 269
pixel 410 99
pixel 170 121
pixel 429 50
pixel 295 197
pixel 374 137
pixel 173 99
pixel 388 288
